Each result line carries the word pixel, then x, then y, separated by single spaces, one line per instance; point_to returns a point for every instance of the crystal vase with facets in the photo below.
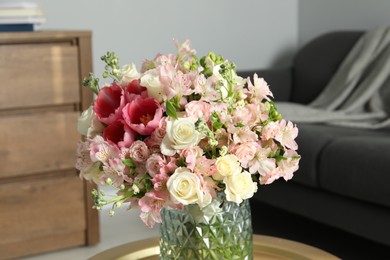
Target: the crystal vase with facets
pixel 222 230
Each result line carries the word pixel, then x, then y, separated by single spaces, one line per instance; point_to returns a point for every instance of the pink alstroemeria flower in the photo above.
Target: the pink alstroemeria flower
pixel 151 205
pixel 109 103
pixel 143 115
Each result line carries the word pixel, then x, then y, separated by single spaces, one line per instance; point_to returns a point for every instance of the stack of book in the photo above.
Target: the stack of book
pixel 20 16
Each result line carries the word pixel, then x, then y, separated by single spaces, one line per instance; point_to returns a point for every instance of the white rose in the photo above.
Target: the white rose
pixel 180 134
pixel 185 188
pixel 239 187
pixel 128 73
pixel 84 121
pixel 154 86
pixel 227 165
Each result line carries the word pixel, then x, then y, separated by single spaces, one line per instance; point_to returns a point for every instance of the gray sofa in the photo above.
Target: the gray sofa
pixel 344 175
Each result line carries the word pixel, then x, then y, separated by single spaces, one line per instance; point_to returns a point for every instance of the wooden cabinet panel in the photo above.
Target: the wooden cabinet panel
pixel 44 205
pixel 38 75
pixel 39 214
pixel 37 143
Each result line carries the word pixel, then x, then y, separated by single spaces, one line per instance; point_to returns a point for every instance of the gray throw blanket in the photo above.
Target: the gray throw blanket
pixel 358 95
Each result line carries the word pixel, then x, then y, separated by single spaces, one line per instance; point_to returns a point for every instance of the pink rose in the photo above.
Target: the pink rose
pixel 109 103
pixel 245 152
pixel 143 115
pixel 198 109
pixel 139 152
pixel 155 139
pixel 154 164
pixel 119 134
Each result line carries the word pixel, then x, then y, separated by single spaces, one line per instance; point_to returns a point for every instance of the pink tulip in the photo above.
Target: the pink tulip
pixel 143 115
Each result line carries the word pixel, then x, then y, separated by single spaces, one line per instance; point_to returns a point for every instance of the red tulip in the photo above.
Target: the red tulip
pixel 109 103
pixel 119 134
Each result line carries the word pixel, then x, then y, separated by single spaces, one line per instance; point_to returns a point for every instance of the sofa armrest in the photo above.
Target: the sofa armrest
pixel 279 81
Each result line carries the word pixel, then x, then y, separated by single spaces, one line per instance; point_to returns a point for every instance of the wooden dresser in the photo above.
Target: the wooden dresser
pixel 44 205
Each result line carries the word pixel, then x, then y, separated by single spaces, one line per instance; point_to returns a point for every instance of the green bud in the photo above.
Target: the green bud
pixel 105 74
pixel 187 65
pixel 219 59
pixel 207 72
pixel 112 213
pixel 194 66
pixel 268 105
pixel 109 181
pixel 202 61
pixel 212 55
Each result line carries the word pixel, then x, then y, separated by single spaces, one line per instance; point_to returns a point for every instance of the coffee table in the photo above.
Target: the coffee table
pixel 264 247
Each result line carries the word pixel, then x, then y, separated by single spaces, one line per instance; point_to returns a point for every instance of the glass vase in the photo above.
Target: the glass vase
pixel 222 230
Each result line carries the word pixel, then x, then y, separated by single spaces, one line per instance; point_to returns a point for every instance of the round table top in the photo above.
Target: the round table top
pixel 264 247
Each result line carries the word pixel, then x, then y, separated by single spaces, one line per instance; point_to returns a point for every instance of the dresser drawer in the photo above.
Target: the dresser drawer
pixel 37 143
pixel 38 75
pixel 41 214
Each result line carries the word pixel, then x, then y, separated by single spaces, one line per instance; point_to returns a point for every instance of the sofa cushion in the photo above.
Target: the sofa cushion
pixel 312 141
pixel 315 63
pixel 357 167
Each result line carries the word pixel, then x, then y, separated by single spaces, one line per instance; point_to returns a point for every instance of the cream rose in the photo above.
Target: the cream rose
pixel 180 134
pixel 227 165
pixel 128 73
pixel 154 86
pixel 185 187
pixel 239 187
pixel 85 120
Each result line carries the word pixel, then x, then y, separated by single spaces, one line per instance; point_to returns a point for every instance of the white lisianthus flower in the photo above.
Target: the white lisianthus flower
pixel 180 134
pixel 227 165
pixel 239 187
pixel 128 73
pixel 185 187
pixel 85 120
pixel 153 85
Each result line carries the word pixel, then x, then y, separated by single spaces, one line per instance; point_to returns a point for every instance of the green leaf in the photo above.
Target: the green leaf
pixel 215 121
pixel 171 110
pixel 128 162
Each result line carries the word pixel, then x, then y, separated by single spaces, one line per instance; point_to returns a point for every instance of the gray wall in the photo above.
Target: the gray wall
pixel 252 33
pixel 316 17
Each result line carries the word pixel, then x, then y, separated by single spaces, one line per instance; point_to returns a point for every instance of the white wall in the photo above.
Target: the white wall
pixel 251 33
pixel 319 16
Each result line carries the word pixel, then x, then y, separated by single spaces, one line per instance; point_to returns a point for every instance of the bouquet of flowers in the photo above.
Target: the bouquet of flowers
pixel 180 131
